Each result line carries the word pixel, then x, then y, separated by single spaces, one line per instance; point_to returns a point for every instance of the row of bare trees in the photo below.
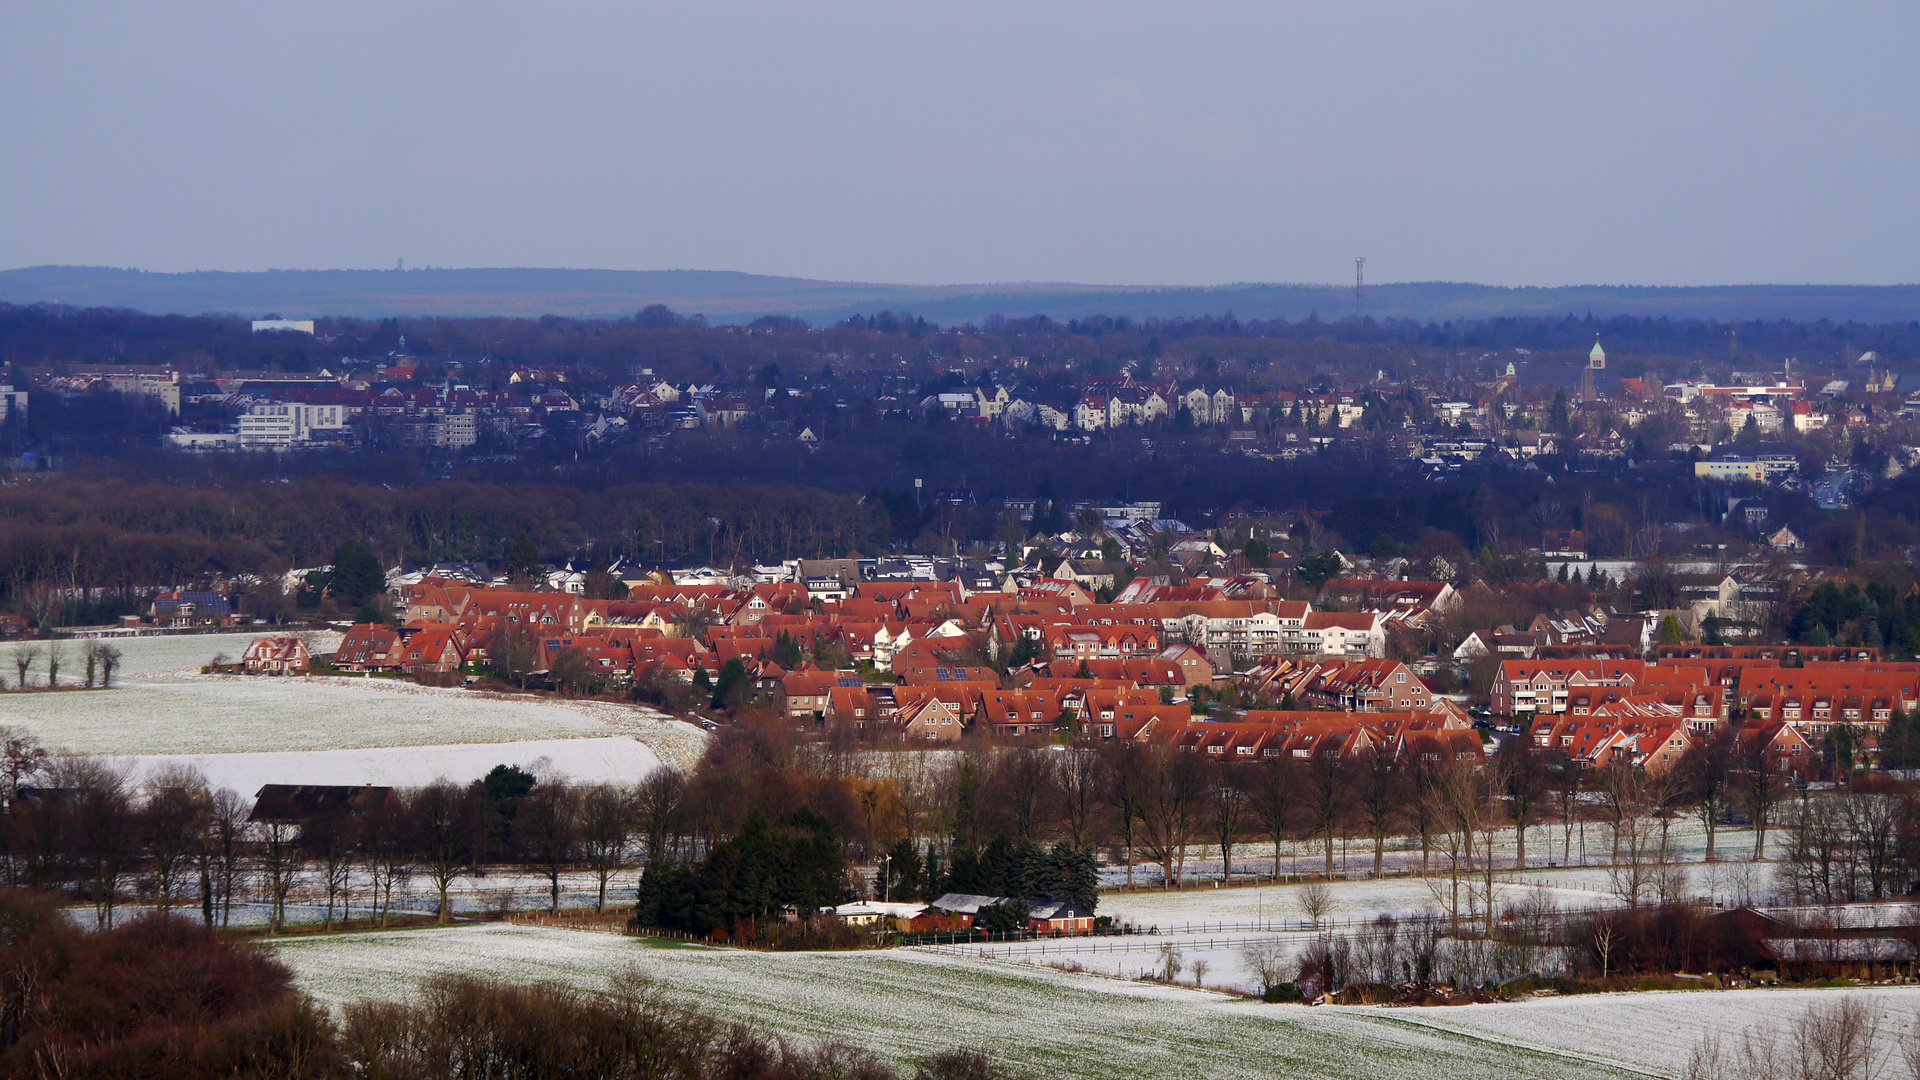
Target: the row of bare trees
pixel 83 825
pixel 79 824
pixel 96 660
pixel 1162 805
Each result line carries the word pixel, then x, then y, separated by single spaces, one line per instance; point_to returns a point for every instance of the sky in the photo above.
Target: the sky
pixel 1665 143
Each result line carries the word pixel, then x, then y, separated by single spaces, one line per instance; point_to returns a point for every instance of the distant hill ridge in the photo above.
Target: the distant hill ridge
pixel 731 297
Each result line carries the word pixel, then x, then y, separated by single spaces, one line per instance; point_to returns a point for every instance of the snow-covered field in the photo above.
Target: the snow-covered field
pixel 1353 901
pixel 1654 1031
pixel 1213 925
pixel 162 706
pixel 907 1005
pixel 618 759
pixel 144 656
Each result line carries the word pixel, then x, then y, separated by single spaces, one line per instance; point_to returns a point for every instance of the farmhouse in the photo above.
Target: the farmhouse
pixel 286 655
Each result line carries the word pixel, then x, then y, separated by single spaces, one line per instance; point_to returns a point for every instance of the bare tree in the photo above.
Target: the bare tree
pixel 606 831
pixel 22 759
pixel 1424 808
pixel 442 823
pixel 1379 794
pixel 1457 786
pixel 658 809
pixel 1270 962
pixel 1873 823
pixel 1324 788
pixel 109 658
pixel 281 861
pixel 515 653
pixel 1634 867
pixel 1603 935
pixel 1838 1041
pixel 386 848
pixel 1522 779
pixel 173 824
pixel 1759 785
pixel 1273 792
pixel 1568 780
pixel 331 836
pixel 1226 804
pixel 1172 962
pixel 914 790
pixel 1126 773
pixel 103 833
pixel 1706 770
pixel 548 828
pixel 1170 808
pixel 24 658
pixel 1021 783
pixel 1316 901
pixel 56 656
pixel 1910 1049
pixel 1080 779
pixel 222 852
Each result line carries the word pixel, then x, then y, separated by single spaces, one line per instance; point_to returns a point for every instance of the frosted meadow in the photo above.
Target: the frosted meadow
pixel 162 705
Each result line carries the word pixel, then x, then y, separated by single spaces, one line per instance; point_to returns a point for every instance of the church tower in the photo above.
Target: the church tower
pixel 1596 361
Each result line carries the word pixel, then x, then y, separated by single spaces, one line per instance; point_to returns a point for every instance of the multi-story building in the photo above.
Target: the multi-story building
pixel 283 425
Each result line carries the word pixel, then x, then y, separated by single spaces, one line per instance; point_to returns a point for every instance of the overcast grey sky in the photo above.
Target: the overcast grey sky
pixel 1508 143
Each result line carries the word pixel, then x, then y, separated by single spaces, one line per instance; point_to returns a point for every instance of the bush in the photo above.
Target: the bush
pixel 1281 993
pixel 158 996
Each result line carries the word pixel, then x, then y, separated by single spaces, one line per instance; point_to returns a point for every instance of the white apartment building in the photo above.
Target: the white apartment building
pixel 278 425
pixel 163 387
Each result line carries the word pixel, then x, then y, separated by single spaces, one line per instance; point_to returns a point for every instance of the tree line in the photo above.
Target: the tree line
pixel 768 824
pixel 84 550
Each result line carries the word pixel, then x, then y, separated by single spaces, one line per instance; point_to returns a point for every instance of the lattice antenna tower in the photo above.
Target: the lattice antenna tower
pixel 1359 278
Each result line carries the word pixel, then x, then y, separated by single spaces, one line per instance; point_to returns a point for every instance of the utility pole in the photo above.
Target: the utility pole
pixel 1359 265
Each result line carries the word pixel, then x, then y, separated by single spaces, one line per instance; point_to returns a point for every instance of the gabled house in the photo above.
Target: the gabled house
pixel 370 647
pixel 286 655
pixel 930 720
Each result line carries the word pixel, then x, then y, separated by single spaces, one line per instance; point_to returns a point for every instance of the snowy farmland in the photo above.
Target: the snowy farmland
pixel 148 656
pixel 163 706
pixel 907 1005
pixel 617 759
pixel 1356 901
pixel 1653 1031
pixel 1214 926
pixel 1063 1024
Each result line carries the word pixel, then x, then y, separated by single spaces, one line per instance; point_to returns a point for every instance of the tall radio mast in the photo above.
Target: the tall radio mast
pixel 1359 265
